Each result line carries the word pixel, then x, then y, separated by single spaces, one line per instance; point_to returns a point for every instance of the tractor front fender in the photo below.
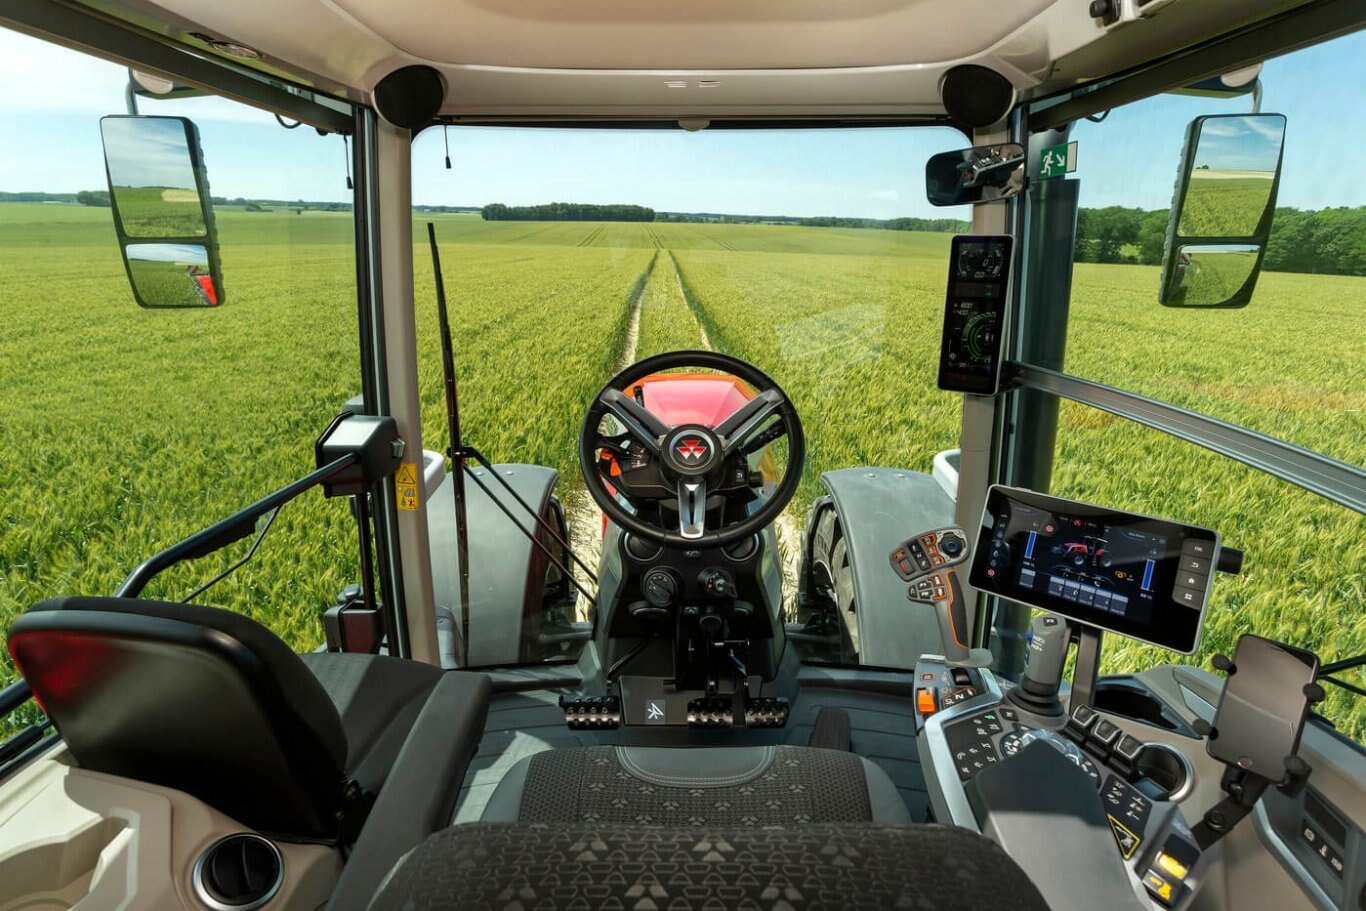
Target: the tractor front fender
pixel 875 509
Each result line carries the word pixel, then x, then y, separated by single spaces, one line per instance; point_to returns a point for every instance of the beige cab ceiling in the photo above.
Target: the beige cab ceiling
pixel 690 34
pixel 567 59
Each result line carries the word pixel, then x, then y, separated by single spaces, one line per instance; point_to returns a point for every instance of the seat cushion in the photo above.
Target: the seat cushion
pixel 491 866
pixel 770 786
pixel 378 698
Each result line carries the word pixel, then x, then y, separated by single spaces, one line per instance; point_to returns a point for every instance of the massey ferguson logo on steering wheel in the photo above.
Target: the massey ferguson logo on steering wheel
pixel 692 450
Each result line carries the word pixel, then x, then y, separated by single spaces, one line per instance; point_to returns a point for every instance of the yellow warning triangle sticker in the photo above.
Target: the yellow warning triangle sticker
pixel 405 486
pixel 1128 842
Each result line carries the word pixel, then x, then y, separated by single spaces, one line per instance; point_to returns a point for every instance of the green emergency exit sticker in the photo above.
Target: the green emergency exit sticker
pixel 1055 161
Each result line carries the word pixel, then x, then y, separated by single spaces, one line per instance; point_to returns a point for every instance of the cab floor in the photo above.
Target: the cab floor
pixel 523 723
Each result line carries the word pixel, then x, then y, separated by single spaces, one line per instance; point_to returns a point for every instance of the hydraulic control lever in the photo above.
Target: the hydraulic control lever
pixel 1046 654
pixel 926 562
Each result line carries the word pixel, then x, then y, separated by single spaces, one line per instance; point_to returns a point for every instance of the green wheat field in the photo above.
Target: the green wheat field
pixel 122 430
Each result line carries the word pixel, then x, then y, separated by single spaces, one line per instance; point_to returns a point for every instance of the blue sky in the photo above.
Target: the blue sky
pixel 49 140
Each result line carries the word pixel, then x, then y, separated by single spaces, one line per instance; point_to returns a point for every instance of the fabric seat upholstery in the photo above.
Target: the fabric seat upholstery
pixel 482 867
pixel 378 698
pixel 713 786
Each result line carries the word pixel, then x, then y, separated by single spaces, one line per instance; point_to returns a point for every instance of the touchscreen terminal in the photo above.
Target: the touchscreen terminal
pixel 1135 575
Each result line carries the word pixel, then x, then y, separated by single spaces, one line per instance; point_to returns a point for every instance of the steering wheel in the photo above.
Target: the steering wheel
pixel 653 462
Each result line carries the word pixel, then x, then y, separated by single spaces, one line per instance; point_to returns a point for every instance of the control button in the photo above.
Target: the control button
pixel 1055 586
pixel 1071 590
pixel 961 677
pixel 1187 596
pixel 1192 580
pixel 937 560
pixel 1191 564
pixel 1128 747
pixel 1170 865
pixel 1085 594
pixel 1009 714
pixel 951 545
pixel 1026 578
pixel 927 676
pixel 1105 732
pixel 906 568
pixel 1084 715
pixel 1158 886
pixel 1195 547
pixel 1335 863
pixel 898 555
pixel 925 701
pixel 1101 600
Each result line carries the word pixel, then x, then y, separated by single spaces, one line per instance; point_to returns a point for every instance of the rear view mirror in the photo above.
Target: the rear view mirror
pixel 1222 210
pixel 162 215
pixel 977 175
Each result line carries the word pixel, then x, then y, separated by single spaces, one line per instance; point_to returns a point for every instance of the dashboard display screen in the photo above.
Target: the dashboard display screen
pixel 1134 575
pixel 974 314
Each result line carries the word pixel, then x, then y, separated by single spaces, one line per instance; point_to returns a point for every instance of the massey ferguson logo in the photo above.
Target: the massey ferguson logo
pixel 692 450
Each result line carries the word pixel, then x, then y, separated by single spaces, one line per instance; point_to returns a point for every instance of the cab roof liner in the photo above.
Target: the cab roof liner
pixel 616 59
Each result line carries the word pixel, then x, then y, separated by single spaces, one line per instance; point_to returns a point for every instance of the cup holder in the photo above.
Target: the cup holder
pixel 241 872
pixel 1167 768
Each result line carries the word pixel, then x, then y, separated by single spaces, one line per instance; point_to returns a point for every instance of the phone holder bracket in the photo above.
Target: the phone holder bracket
pixel 1243 787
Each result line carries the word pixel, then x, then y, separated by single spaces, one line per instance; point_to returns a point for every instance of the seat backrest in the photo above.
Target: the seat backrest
pixel 194 698
pixel 926 867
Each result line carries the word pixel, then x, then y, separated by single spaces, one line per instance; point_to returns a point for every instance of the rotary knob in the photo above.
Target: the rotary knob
pixel 660 588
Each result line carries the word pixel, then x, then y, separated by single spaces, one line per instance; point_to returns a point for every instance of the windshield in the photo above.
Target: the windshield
pixel 811 254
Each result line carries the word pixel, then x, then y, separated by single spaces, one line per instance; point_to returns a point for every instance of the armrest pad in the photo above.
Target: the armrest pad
pixel 1047 815
pixel 419 795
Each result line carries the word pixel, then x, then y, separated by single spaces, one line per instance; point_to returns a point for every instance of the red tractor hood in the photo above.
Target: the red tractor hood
pixel 693 398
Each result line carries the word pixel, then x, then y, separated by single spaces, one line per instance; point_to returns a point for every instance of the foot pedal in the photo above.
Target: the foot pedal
pixel 832 731
pixel 591 712
pixel 767 712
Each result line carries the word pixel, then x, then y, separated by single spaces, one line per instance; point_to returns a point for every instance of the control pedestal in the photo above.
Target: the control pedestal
pixel 1131 787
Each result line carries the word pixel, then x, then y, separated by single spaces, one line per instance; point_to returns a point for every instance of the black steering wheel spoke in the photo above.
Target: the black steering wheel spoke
pixel 747 419
pixel 638 422
pixel 692 508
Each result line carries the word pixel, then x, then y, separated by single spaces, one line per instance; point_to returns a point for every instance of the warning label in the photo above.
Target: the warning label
pixel 405 485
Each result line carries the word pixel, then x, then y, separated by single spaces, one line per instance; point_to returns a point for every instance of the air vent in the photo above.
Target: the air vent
pixel 708 84
pixel 241 872
pixel 675 83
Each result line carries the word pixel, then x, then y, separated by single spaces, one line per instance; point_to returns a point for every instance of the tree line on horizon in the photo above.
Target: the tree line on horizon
pixel 1315 241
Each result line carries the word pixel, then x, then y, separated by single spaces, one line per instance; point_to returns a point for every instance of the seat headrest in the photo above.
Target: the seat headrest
pixel 194 698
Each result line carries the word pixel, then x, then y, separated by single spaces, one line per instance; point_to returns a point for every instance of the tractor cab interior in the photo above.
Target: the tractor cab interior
pixel 694 620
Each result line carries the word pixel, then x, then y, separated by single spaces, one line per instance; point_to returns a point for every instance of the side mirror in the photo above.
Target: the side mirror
pixel 159 191
pixel 976 175
pixel 1222 210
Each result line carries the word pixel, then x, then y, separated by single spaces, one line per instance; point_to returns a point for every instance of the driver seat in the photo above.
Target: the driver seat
pixel 717 787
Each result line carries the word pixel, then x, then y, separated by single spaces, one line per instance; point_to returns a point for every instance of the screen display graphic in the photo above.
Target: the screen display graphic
pixel 974 314
pixel 1138 576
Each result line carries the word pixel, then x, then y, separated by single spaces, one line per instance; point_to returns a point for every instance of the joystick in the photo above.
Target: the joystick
pixel 926 561
pixel 1048 638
